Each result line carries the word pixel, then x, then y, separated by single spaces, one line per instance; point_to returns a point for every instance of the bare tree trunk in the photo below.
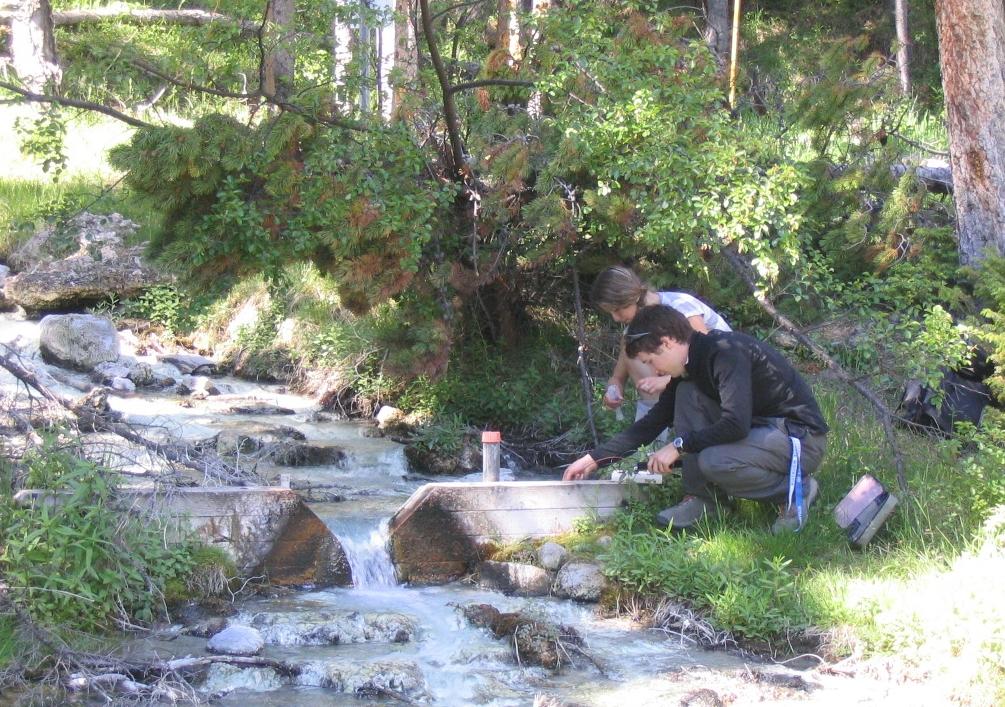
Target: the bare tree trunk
pixel 972 51
pixel 341 53
pixel 406 53
pixel 903 45
pixel 717 28
pixel 279 63
pixel 508 27
pixel 33 46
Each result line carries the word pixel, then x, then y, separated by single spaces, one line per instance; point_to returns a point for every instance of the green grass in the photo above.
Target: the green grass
pixel 925 590
pixel 29 196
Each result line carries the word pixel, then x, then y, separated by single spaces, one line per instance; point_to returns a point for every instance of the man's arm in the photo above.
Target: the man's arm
pixel 641 432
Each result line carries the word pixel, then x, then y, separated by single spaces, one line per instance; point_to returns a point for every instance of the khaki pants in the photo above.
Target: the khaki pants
pixel 756 467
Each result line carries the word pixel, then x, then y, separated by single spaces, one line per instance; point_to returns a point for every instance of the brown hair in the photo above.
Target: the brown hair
pixel 617 287
pixel 651 324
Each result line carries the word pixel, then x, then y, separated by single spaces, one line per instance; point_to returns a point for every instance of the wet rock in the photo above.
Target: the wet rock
pixel 190 364
pixel 389 416
pixel 207 628
pixel 329 628
pixel 401 680
pixel 222 678
pixel 552 556
pixel 122 385
pixel 104 373
pixel 143 375
pixel 78 263
pixel 552 701
pixel 515 578
pixel 579 581
pixel 201 387
pixel 535 642
pixel 79 341
pixel 236 640
pixel 260 408
pixel 91 406
pixel 424 460
pixel 306 454
pixel 255 437
pixel 701 698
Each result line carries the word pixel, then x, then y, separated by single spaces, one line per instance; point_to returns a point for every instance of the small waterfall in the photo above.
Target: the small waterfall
pixel 368 557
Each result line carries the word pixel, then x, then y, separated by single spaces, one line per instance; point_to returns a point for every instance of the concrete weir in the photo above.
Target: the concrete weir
pixel 445 529
pixel 266 530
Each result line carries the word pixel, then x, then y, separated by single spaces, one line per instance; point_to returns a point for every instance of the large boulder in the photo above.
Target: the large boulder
pixel 78 263
pixel 80 341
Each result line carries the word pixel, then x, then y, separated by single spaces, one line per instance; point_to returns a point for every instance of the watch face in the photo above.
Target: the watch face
pixel 678 442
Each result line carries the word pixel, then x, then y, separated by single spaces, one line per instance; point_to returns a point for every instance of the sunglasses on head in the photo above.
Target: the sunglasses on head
pixel 636 337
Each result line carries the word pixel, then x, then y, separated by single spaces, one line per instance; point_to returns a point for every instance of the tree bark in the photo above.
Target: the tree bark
pixel 449 104
pixel 717 28
pixel 972 50
pixel 406 56
pixel 33 46
pixel 900 14
pixel 279 62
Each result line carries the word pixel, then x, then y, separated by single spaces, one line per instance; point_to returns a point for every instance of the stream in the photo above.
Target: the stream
pixel 411 640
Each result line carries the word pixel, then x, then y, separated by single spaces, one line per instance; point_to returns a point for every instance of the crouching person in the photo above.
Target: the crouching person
pixel 747 424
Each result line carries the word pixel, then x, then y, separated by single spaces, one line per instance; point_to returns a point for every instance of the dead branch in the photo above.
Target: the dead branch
pixel 186 455
pixel 743 270
pixel 74 103
pixel 583 372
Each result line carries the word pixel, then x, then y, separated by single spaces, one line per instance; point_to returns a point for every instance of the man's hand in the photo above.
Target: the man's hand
pixel 580 469
pixel 653 385
pixel 614 396
pixel 661 461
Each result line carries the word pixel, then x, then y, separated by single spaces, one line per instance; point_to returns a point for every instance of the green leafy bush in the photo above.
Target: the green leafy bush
pixel 74 559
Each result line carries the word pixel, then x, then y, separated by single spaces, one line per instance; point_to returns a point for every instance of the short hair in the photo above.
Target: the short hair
pixel 617 287
pixel 651 324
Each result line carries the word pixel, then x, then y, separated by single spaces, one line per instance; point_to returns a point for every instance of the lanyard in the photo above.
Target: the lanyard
pixel 796 482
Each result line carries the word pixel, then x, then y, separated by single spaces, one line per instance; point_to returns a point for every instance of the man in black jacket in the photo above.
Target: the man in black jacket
pixel 747 425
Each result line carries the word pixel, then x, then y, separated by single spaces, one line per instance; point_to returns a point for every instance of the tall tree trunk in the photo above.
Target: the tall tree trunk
pixel 406 53
pixel 279 62
pixel 341 54
pixel 33 46
pixel 903 45
pixel 508 27
pixel 972 51
pixel 717 28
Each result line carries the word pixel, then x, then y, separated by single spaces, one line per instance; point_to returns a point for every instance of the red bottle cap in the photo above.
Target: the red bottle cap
pixel 491 437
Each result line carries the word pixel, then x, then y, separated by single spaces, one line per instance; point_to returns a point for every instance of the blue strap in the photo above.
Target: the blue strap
pixel 796 482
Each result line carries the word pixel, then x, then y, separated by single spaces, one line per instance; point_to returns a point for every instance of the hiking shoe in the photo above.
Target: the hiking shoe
pixel 687 513
pixel 788 518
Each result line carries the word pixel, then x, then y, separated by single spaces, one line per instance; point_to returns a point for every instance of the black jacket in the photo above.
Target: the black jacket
pixel 746 377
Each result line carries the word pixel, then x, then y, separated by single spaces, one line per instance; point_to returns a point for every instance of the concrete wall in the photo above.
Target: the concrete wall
pixel 266 530
pixel 444 529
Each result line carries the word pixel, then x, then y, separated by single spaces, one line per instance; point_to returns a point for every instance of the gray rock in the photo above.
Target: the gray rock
pixel 4 274
pixel 515 578
pixel 236 640
pixel 142 374
pixel 190 363
pixel 80 341
pixel 225 678
pixel 260 408
pixel 389 416
pixel 552 556
pixel 79 263
pixel 201 386
pixel 105 373
pixel 579 581
pixel 605 541
pixel 123 385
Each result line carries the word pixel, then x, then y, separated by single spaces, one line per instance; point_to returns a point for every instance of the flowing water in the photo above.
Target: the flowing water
pixel 410 641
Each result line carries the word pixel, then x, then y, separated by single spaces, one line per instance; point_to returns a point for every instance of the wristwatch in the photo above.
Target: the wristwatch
pixel 678 442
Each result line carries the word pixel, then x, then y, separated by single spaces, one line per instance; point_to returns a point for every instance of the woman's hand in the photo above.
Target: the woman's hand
pixel 653 385
pixel 580 469
pixel 614 396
